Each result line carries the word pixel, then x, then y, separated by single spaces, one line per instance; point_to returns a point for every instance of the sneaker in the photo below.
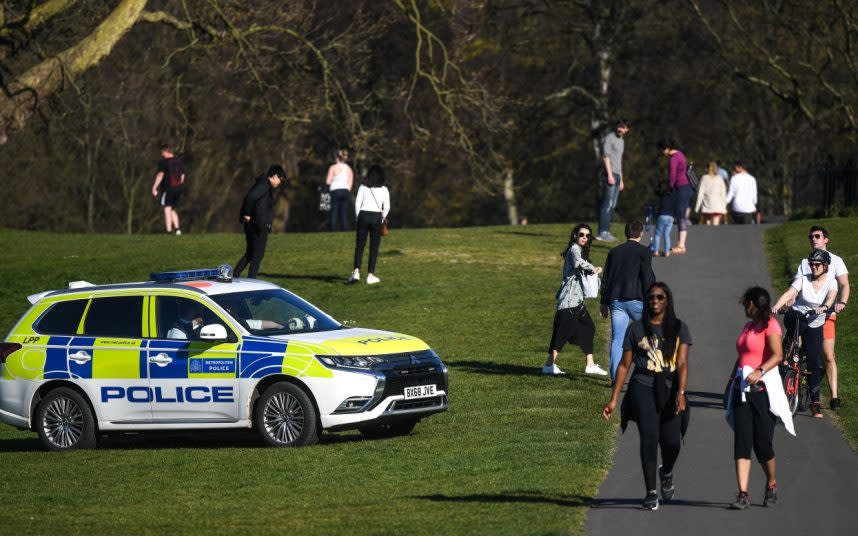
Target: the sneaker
pixel 552 370
pixel 605 236
pixel 355 277
pixel 372 280
pixel 178 232
pixel 650 502
pixel 667 487
pixel 816 410
pixel 835 403
pixel 771 495
pixel 595 369
pixel 743 500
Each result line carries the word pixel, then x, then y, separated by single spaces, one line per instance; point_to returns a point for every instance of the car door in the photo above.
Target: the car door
pixel 192 380
pixel 108 358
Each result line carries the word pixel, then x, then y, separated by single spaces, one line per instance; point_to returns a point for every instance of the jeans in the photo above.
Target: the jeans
pixel 255 238
pixel 340 200
pixel 609 202
pixel 662 229
pixel 622 313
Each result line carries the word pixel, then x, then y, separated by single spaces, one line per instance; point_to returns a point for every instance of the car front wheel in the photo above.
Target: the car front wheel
pixel 64 421
pixel 285 417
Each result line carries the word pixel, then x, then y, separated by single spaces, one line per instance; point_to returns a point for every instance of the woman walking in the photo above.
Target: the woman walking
pixel 757 396
pixel 712 196
pixel 678 167
pixel 572 321
pixel 664 223
pixel 340 180
pixel 813 295
pixel 371 207
pixel 658 346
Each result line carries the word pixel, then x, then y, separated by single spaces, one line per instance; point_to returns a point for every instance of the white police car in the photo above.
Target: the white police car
pixel 200 350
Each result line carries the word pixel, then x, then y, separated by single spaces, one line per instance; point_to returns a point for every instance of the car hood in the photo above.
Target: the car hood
pixel 358 341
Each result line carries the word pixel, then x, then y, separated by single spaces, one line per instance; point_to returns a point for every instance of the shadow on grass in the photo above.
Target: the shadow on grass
pixel 323 278
pixel 520 497
pixel 526 233
pixel 175 440
pixel 635 504
pixel 492 368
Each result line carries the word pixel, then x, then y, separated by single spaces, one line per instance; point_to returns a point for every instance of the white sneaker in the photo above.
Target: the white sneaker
pixel 355 277
pixel 372 280
pixel 552 370
pixel 597 370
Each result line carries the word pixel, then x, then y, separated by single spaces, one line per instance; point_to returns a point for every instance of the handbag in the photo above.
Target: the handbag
pixel 590 285
pixel 384 229
pixel 324 199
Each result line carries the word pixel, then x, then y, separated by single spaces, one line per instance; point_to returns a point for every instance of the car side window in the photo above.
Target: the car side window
pixel 182 318
pixel 62 318
pixel 120 316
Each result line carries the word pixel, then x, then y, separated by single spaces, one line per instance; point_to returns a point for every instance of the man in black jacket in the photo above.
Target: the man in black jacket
pixel 257 212
pixel 628 274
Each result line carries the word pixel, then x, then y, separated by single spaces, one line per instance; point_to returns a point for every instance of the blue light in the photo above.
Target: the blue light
pixel 208 273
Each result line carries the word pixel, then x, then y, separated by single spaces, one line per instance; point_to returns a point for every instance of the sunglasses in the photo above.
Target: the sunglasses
pixel 815 235
pixel 583 235
pixel 816 264
pixel 657 297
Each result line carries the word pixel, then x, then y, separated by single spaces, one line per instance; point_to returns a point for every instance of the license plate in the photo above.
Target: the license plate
pixel 421 391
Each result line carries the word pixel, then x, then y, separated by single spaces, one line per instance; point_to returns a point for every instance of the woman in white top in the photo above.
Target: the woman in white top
pixel 814 295
pixel 340 180
pixel 371 208
pixel 712 196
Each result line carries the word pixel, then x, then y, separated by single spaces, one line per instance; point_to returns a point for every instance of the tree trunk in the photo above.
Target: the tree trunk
pixel 49 77
pixel 509 197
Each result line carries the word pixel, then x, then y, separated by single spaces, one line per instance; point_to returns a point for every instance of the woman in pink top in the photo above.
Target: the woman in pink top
pixel 678 167
pixel 759 348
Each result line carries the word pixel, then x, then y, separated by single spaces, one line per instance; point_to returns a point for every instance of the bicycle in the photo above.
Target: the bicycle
pixel 794 371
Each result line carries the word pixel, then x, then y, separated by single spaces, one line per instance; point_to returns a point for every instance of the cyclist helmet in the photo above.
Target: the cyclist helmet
pixel 819 255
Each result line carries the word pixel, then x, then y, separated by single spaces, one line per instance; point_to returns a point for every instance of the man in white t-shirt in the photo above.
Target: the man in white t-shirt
pixel 742 195
pixel 818 237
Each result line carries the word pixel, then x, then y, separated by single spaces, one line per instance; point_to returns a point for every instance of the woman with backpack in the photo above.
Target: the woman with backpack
pixel 572 321
pixel 658 346
pixel 678 179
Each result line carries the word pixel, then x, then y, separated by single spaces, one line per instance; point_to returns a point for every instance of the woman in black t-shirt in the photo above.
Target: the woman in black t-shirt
pixel 658 345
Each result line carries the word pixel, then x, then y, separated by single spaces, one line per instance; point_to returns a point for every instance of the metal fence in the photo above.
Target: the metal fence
pixel 826 190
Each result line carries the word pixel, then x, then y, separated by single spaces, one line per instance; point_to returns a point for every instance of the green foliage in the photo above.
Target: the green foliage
pixel 517 453
pixel 786 245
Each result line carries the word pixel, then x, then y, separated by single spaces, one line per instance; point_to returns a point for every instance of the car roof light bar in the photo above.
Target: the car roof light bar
pixel 221 273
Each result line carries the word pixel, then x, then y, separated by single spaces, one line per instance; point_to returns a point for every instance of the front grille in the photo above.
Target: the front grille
pixel 419 403
pixel 399 378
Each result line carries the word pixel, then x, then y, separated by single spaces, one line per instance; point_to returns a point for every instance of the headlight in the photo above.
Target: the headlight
pixel 348 361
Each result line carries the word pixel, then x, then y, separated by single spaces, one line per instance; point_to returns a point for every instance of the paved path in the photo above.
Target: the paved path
pixel 817 471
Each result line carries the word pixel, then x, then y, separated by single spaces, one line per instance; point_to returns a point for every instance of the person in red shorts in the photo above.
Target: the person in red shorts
pixel 818 237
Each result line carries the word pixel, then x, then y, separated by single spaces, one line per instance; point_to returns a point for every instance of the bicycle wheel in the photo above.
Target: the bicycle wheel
pixel 803 389
pixel 792 380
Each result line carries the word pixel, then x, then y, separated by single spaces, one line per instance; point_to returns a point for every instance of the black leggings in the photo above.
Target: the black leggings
pixel 654 429
pixel 574 326
pixel 368 222
pixel 812 340
pixel 754 425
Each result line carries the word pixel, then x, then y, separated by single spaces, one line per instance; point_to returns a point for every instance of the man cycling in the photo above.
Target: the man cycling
pixel 818 237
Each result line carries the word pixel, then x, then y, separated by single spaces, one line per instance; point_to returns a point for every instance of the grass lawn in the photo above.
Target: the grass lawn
pixel 787 245
pixel 516 453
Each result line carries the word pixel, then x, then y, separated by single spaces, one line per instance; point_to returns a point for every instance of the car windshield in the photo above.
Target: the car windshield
pixel 275 312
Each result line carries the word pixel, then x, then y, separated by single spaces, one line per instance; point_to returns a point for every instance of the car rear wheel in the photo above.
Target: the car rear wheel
pixel 388 429
pixel 285 417
pixel 64 421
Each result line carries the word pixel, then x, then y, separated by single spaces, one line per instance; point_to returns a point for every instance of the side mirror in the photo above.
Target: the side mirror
pixel 213 332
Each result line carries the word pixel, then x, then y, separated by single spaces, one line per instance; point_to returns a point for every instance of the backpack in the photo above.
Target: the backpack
pixel 693 180
pixel 175 170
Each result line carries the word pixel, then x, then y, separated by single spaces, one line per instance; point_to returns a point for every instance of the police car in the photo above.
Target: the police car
pixel 201 350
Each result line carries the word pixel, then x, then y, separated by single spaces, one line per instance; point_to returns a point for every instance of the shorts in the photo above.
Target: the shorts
pixel 170 198
pixel 828 328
